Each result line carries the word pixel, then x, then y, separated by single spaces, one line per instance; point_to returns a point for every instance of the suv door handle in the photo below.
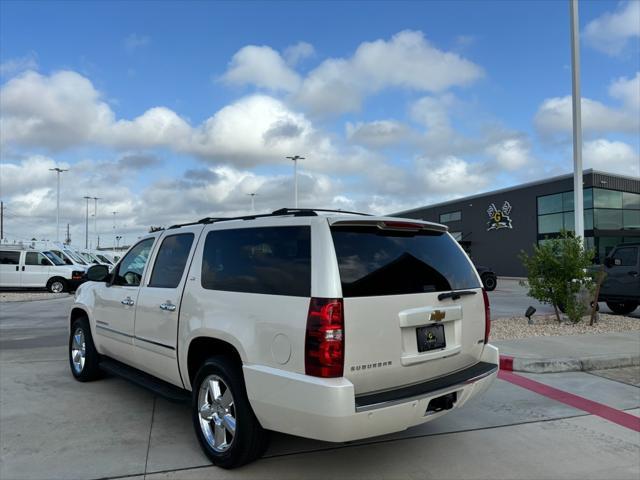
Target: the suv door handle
pixel 170 307
pixel 633 274
pixel 127 301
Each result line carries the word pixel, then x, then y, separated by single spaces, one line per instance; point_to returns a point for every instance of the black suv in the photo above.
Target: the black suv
pixel 621 287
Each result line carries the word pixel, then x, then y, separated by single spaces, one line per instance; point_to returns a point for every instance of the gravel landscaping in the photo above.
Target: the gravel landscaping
pixel 28 296
pixel 547 325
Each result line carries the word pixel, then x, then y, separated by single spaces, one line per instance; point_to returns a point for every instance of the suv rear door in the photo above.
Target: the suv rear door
pixel 158 306
pixel 392 274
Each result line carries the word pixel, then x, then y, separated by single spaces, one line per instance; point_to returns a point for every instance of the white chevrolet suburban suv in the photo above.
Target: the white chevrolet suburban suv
pixel 332 326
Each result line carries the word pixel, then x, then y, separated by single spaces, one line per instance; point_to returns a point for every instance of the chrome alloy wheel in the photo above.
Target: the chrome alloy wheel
pixel 78 350
pixel 57 287
pixel 217 413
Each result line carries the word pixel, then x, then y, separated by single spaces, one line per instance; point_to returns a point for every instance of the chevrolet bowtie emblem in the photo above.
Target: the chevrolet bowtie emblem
pixel 437 315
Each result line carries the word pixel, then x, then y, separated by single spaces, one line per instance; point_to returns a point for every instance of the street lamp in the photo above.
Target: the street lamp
pixel 58 172
pixel 95 219
pixel 295 159
pixel 86 229
pixel 118 237
pixel 253 205
pixel 114 229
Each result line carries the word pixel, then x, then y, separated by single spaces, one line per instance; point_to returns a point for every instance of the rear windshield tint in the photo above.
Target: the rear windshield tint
pixel 374 262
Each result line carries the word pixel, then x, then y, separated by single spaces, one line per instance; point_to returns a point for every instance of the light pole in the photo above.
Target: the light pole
pixel 253 205
pixel 95 219
pixel 577 121
pixel 86 227
pixel 118 237
pixel 114 231
pixel 58 172
pixel 295 159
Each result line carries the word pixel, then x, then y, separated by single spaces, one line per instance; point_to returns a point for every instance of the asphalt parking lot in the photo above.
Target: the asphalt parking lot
pixel 53 427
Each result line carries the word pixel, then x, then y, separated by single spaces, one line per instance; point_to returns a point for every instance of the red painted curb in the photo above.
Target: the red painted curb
pixel 613 415
pixel 506 363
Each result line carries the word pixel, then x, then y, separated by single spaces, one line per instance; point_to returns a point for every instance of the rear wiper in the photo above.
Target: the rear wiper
pixel 456 295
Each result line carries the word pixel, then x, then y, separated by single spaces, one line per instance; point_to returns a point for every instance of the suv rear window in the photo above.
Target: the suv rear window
pixel 269 260
pixel 374 262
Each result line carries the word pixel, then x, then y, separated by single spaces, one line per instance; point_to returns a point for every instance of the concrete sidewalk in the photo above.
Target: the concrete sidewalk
pixel 570 353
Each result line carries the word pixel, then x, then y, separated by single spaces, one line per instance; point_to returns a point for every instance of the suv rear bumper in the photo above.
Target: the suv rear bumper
pixel 327 409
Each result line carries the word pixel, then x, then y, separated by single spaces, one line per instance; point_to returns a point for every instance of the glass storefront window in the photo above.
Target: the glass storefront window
pixel 569 221
pixel 631 218
pixel 588 198
pixel 631 200
pixel 606 198
pixel 550 204
pixel 588 219
pixel 567 201
pixel 550 223
pixel 607 219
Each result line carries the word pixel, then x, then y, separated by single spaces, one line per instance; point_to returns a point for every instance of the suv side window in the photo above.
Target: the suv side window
pixel 131 267
pixel 268 260
pixel 171 260
pixel 9 258
pixel 628 256
pixel 36 258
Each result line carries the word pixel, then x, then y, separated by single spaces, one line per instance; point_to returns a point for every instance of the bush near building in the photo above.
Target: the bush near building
pixel 557 274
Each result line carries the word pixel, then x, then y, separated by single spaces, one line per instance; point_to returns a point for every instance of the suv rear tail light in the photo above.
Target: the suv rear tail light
pixel 324 343
pixel 487 316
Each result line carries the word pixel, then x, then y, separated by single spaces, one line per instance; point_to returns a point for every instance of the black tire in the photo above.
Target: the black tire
pixel 250 440
pixel 622 308
pixel 57 285
pixel 490 282
pixel 90 370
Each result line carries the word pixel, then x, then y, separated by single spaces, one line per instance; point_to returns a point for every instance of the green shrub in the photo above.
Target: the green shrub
pixel 557 274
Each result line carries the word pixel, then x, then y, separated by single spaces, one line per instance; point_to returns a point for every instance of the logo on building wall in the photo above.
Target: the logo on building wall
pixel 499 218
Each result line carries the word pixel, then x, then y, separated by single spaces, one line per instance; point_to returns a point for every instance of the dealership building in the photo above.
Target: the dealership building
pixel 495 227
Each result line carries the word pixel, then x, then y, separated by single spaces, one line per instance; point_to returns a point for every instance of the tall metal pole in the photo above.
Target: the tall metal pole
pixel 295 159
pixel 95 219
pixel 1 220
pixel 86 228
pixel 253 205
pixel 114 232
pixel 58 172
pixel 577 121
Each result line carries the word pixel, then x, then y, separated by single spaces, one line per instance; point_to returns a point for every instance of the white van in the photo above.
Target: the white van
pixel 30 268
pixel 70 258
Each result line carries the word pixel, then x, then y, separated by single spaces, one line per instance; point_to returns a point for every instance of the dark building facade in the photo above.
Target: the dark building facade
pixel 495 227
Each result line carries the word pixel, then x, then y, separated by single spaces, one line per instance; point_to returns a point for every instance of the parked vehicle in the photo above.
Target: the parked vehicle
pixel 621 287
pixel 70 258
pixel 328 325
pixel 488 277
pixel 104 259
pixel 30 268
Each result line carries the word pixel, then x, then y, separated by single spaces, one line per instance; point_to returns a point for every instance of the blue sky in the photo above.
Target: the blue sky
pixel 396 104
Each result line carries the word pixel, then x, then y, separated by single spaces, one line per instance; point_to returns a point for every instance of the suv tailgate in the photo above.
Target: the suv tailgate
pixel 392 275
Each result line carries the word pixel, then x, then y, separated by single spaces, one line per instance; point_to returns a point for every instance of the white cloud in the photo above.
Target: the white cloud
pixel 407 60
pixel 261 66
pixel 511 153
pixel 554 117
pixel 611 156
pixel 54 112
pixel 627 90
pixel 294 54
pixel 13 66
pixel 64 110
pixel 612 31
pixel 451 176
pixel 376 134
pixel 135 42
